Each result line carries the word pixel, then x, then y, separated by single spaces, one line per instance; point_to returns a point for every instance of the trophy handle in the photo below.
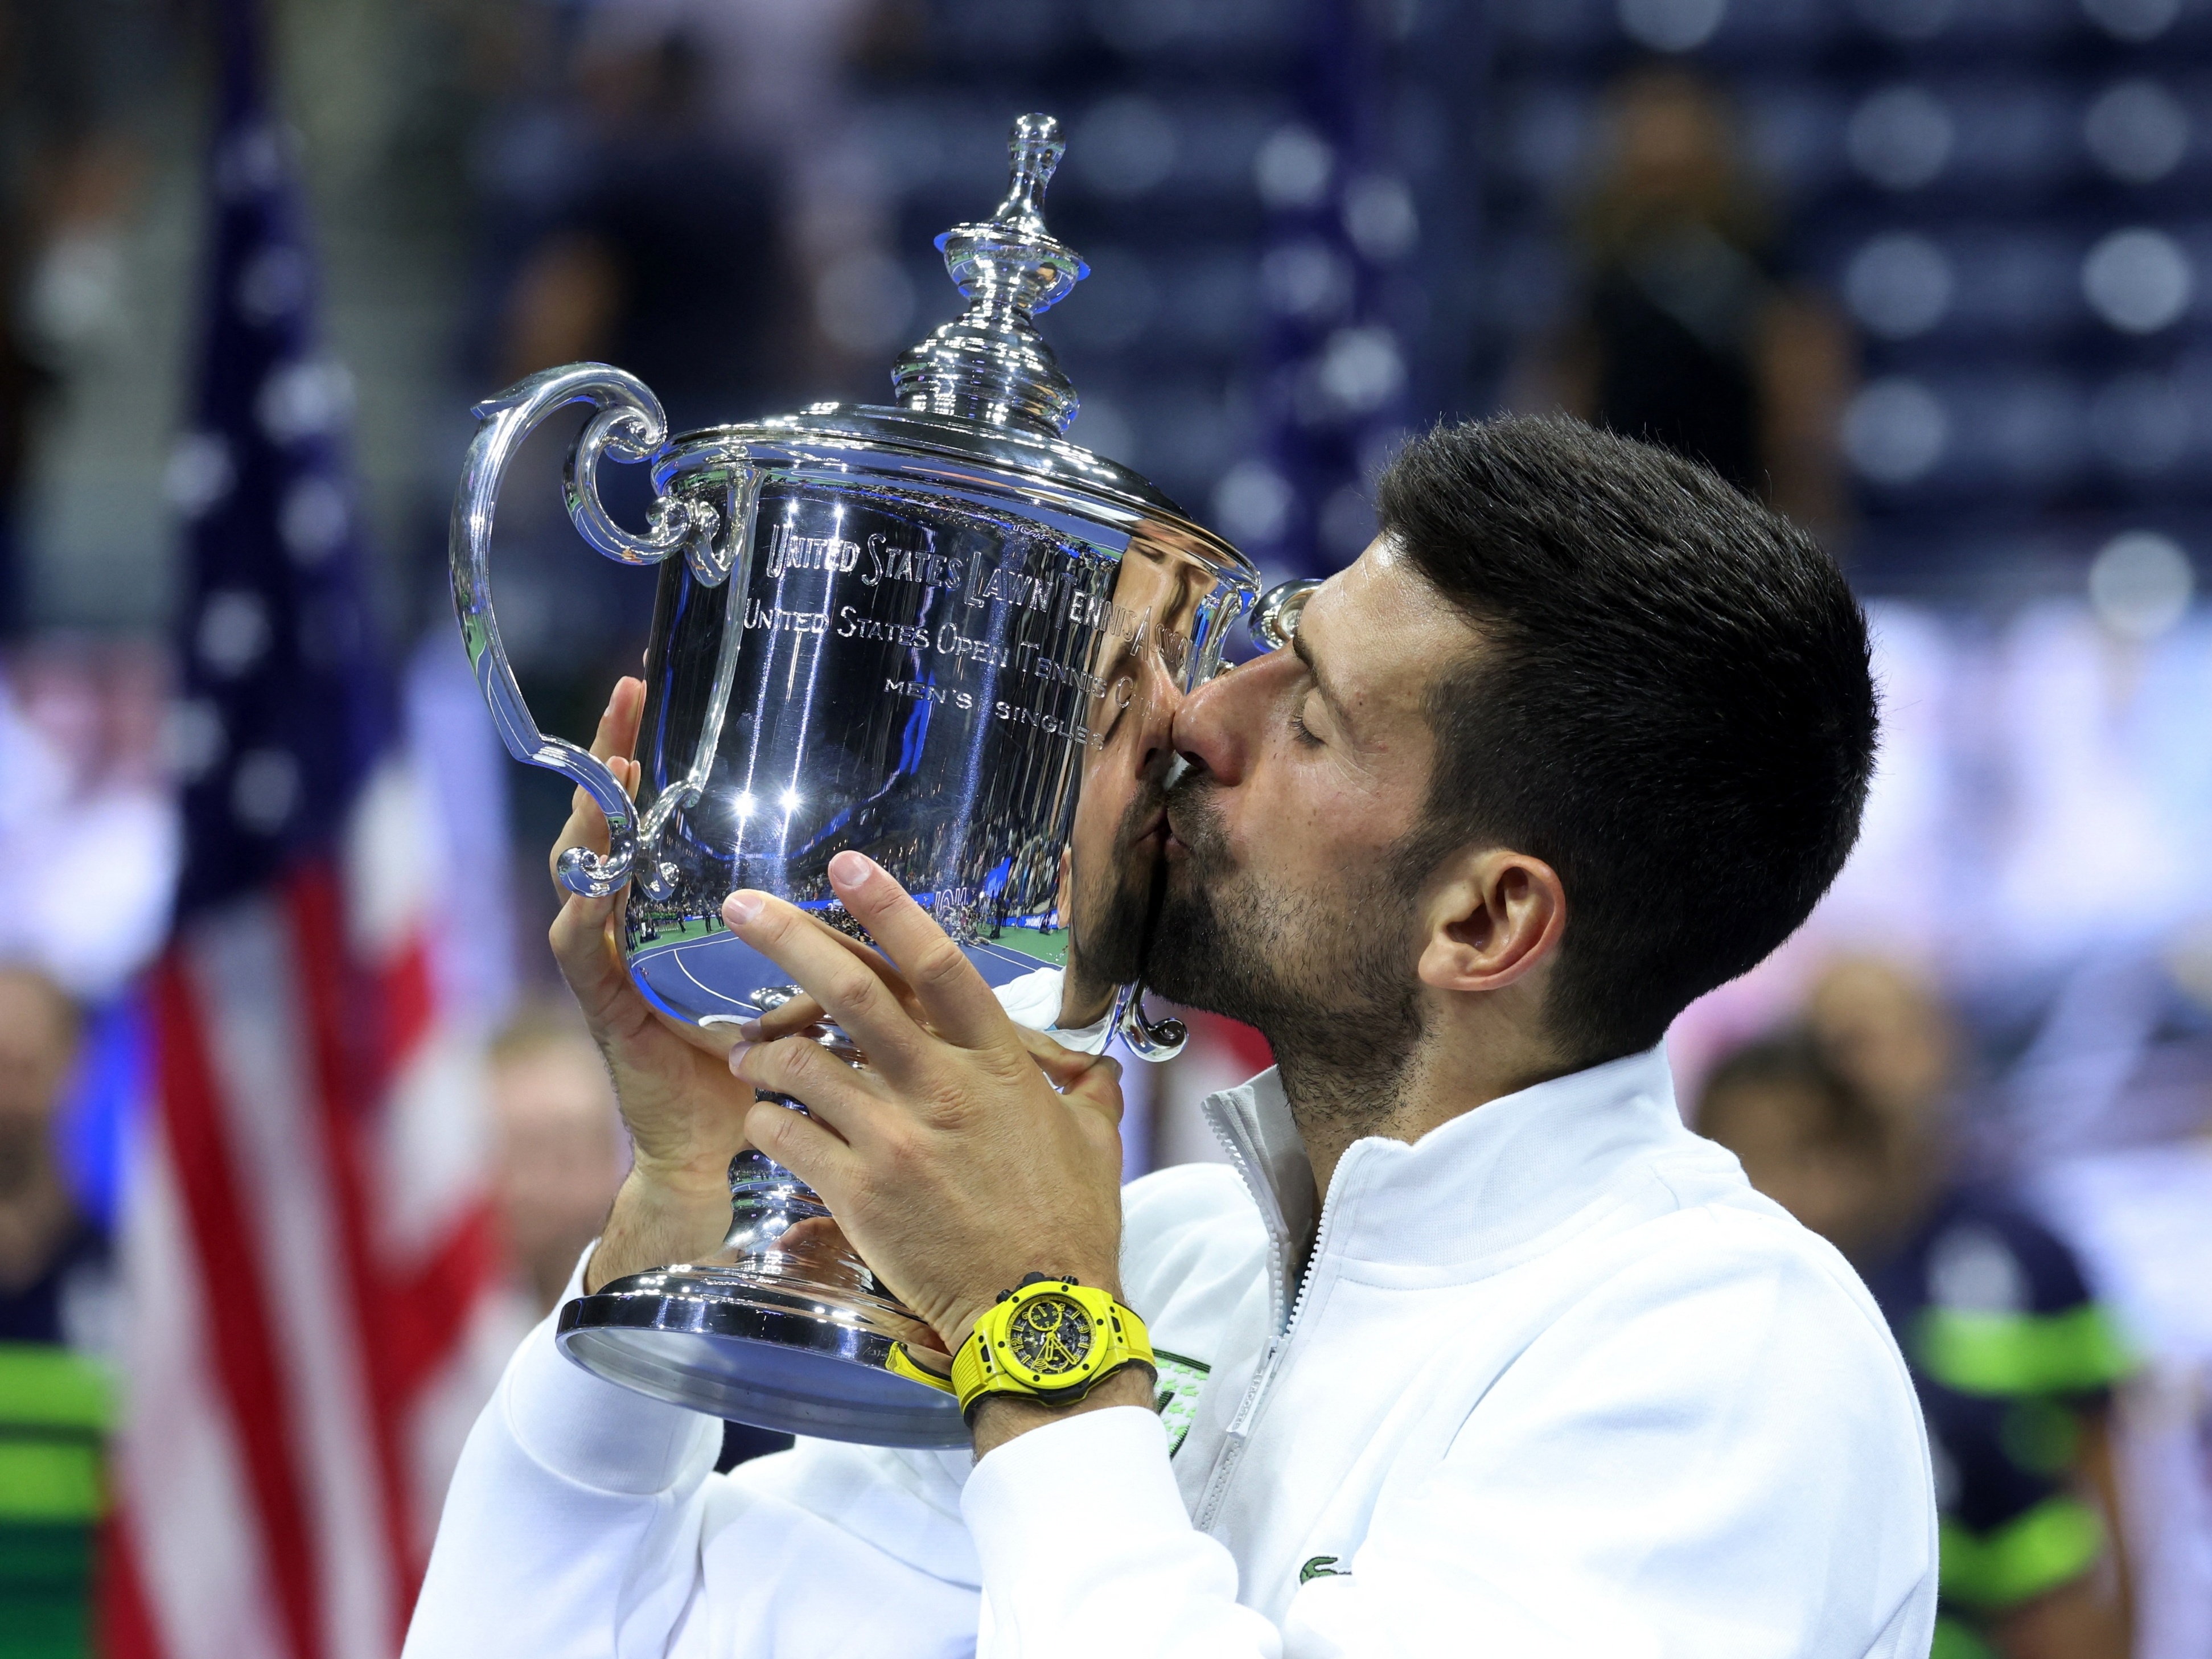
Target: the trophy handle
pixel 630 426
pixel 1148 1039
pixel 1275 618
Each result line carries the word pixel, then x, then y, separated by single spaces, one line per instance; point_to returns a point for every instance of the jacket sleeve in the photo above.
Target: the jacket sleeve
pixel 586 1522
pixel 1086 1550
pixel 1720 1460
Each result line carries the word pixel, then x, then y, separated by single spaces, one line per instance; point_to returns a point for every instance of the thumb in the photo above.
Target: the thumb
pixel 1098 1090
pixel 1092 1082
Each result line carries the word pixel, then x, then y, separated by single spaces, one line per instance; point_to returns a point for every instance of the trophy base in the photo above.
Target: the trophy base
pixel 784 1328
pixel 696 1339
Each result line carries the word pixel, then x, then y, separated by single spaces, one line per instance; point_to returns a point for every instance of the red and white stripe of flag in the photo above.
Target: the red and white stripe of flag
pixel 307 1246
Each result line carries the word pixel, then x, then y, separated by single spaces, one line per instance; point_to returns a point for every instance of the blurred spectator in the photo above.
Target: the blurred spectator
pixel 1804 1138
pixel 2014 1360
pixel 54 1405
pixel 1889 1035
pixel 776 90
pixel 88 828
pixel 626 221
pixel 560 1154
pixel 648 233
pixel 53 1259
pixel 1689 331
pixel 71 73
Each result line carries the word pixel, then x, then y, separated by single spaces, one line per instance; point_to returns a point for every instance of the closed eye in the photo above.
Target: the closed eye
pixel 1300 731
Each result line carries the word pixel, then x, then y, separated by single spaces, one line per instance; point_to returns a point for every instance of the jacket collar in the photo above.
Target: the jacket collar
pixel 1489 1181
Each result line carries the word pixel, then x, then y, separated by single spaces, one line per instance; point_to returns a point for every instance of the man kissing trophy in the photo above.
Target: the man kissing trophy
pixel 1468 1343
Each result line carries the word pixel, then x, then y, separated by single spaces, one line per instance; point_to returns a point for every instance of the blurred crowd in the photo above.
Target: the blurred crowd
pixel 1843 1119
pixel 1984 1073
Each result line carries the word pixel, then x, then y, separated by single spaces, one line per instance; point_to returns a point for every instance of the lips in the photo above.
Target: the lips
pixel 1170 843
pixel 1150 829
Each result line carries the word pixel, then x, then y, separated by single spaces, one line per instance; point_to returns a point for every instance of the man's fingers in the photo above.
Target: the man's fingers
pixel 1092 1082
pixel 587 828
pixel 804 1147
pixel 837 1094
pixel 613 743
pixel 952 994
pixel 803 1010
pixel 843 985
pixel 1062 1064
pixel 617 732
pixel 1098 1090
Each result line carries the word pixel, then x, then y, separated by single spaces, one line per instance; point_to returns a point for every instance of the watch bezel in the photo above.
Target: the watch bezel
pixel 1100 1351
pixel 987 1362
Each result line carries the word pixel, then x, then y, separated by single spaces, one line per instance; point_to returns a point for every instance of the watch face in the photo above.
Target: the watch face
pixel 1050 1334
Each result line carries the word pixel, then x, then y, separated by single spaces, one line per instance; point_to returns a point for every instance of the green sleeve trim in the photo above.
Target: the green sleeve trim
pixel 1984 1353
pixel 2054 1543
pixel 49 1481
pixel 42 1387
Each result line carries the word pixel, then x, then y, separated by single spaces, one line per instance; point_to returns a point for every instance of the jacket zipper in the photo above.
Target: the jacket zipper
pixel 1238 1435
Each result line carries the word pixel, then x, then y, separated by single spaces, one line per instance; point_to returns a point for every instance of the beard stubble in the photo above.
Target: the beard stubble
pixel 1328 978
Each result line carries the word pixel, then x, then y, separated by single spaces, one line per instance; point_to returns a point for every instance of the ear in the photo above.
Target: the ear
pixel 1494 918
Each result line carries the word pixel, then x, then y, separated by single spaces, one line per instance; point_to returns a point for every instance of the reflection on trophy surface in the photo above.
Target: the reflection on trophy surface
pixel 1109 887
pixel 935 633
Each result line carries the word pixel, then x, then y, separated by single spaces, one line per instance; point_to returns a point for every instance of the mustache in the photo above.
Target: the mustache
pixel 1146 809
pixel 1192 807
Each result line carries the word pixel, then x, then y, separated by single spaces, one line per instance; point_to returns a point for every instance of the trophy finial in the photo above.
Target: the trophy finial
pixel 989 363
pixel 1034 147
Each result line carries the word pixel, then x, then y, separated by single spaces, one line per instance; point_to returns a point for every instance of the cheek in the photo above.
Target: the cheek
pixel 1325 817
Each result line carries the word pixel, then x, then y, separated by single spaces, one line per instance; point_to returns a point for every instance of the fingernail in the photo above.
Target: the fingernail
pixel 850 869
pixel 742 907
pixel 749 1030
pixel 738 1052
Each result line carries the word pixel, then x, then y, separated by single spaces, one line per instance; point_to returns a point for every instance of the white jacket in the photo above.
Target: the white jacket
pixel 1557 1381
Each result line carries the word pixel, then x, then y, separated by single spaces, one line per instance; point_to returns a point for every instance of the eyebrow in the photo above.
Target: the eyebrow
pixel 1304 654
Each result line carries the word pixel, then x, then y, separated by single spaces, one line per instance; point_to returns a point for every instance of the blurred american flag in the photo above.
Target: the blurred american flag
pixel 306 1241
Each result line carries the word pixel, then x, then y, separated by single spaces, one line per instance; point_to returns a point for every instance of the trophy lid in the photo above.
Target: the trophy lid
pixel 989 364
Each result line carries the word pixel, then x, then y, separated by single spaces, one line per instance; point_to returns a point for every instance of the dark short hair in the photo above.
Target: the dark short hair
pixel 1672 705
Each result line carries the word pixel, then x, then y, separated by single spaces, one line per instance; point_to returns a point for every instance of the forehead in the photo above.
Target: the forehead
pixel 1380 633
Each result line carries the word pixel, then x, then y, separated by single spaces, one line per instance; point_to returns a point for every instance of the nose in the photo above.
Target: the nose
pixel 1220 725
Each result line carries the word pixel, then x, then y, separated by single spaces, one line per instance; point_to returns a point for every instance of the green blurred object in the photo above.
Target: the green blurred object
pixel 1955 1641
pixel 2076 1352
pixel 45 1591
pixel 2054 1543
pixel 55 1410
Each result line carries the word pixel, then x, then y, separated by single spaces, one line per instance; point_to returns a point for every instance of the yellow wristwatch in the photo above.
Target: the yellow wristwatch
pixel 1049 1339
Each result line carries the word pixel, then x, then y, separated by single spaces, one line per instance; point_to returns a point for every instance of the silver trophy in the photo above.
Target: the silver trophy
pixel 937 633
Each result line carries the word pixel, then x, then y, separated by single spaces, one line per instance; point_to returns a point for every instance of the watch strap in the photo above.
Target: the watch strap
pixel 901 1364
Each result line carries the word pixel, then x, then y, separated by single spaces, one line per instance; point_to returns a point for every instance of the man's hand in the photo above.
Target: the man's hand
pixel 685 1113
pixel 951 1160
